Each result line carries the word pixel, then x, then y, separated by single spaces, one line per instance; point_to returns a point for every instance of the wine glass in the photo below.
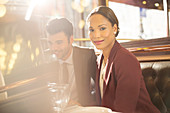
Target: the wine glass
pixel 60 95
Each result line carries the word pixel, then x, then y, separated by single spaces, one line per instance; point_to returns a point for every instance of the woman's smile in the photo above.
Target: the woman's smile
pixel 101 32
pixel 98 42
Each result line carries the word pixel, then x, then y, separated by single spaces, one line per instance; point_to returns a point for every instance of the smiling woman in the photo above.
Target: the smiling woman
pixel 119 81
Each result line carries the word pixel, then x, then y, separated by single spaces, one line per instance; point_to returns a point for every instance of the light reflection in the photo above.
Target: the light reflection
pixel 2 63
pixel 16 47
pixel 157 4
pixel 144 2
pixel 14 56
pixel 3 55
pixel 3 1
pixel 11 64
pixel 30 10
pixel 79 7
pixel 2 10
pixel 2 52
pixel 37 51
pixel 32 57
pixel 32 6
pixel 81 24
pixel 85 3
pixel 19 38
pixel 74 5
pixel 29 43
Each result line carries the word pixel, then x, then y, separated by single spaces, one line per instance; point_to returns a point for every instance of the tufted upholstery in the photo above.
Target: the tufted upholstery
pixel 157 79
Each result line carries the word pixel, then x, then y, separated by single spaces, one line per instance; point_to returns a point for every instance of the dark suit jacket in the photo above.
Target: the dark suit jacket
pixel 84 61
pixel 124 88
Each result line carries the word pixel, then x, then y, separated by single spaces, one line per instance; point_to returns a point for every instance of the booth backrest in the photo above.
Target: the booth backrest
pixel 157 79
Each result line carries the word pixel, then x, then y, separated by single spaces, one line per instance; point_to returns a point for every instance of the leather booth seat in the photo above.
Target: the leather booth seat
pixel 157 79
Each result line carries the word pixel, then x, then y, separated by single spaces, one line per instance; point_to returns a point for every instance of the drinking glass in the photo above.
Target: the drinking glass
pixel 60 95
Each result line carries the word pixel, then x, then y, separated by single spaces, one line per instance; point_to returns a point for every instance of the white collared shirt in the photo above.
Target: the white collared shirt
pixel 102 76
pixel 72 81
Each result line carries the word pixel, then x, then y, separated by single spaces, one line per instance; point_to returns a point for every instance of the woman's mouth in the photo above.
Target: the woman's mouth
pixel 98 42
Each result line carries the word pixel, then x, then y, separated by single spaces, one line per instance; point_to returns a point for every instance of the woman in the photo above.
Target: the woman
pixel 119 81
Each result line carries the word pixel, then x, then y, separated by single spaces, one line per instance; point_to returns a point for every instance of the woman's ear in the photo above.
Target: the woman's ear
pixel 115 29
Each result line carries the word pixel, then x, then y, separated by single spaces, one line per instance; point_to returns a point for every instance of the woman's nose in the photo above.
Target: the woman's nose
pixel 96 34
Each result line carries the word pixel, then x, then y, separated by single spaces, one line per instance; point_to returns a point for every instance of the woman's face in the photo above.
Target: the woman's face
pixel 101 32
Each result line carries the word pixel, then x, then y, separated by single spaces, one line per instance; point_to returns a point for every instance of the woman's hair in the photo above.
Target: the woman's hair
pixel 107 13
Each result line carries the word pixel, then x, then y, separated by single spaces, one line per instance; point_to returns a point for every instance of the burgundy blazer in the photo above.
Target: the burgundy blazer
pixel 124 88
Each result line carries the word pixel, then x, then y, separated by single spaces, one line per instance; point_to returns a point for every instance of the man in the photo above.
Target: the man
pixel 81 62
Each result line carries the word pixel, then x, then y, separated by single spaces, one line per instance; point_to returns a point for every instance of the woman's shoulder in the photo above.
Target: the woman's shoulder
pixel 125 58
pixel 125 54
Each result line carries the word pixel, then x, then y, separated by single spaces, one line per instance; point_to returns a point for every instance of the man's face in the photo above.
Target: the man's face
pixel 60 45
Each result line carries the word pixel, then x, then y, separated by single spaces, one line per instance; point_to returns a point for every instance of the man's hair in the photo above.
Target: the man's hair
pixel 60 25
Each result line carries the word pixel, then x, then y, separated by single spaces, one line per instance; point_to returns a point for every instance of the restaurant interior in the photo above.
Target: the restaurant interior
pixel 144 31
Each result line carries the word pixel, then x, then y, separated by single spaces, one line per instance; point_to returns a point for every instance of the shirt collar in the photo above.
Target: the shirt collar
pixel 68 60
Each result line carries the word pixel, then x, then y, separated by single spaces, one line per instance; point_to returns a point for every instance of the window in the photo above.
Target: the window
pixel 139 23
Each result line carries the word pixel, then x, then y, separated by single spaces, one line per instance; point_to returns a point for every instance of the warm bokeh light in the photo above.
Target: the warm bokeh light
pixel 16 47
pixel 144 2
pixel 2 63
pixel 14 56
pixel 74 5
pixel 139 49
pixel 157 4
pixel 80 9
pixel 77 6
pixel 11 64
pixel 81 24
pixel 29 43
pixel 19 38
pixel 146 48
pixel 41 3
pixel 2 10
pixel 2 52
pixel 3 55
pixel 85 3
pixel 30 10
pixel 37 51
pixel 3 1
pixel 31 7
pixel 32 57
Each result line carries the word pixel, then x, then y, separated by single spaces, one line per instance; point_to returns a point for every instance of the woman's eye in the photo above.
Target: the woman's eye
pixel 102 28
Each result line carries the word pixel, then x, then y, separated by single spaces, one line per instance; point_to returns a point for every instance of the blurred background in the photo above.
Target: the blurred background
pixel 23 42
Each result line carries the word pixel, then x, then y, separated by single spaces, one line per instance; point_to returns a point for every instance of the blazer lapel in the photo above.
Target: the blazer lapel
pixel 98 95
pixel 107 76
pixel 109 67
